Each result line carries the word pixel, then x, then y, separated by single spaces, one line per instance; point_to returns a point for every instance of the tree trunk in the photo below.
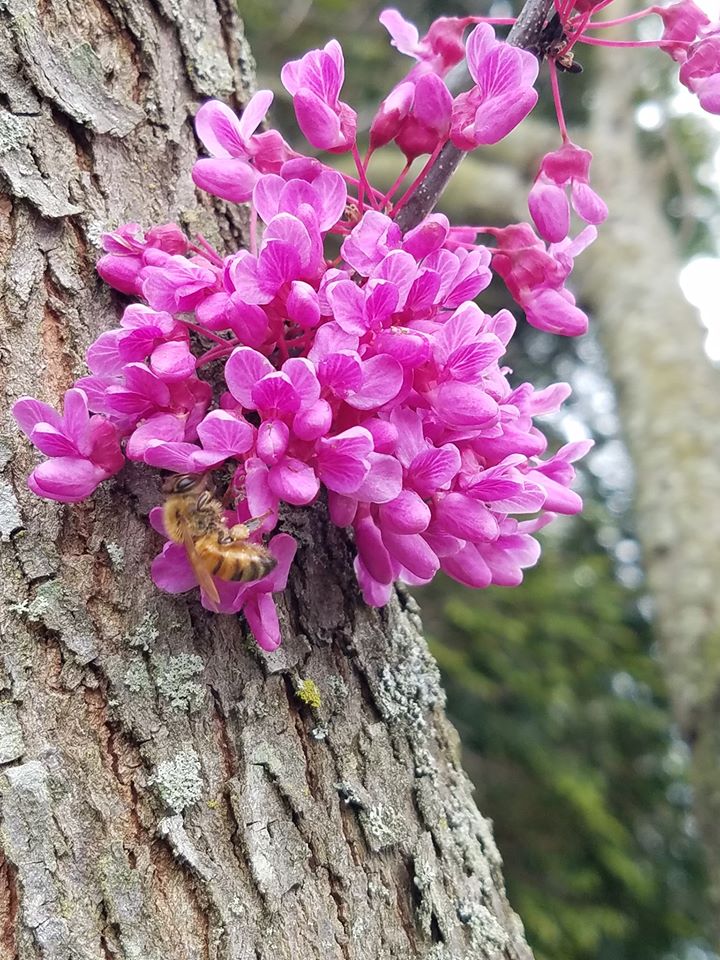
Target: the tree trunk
pixel 167 789
pixel 669 397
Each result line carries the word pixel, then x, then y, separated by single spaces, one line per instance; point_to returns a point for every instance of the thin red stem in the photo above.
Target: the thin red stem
pixel 557 100
pixel 354 182
pixel 638 15
pixel 364 185
pixel 398 181
pixel 203 332
pixel 209 250
pixel 598 42
pixel 216 352
pixel 410 190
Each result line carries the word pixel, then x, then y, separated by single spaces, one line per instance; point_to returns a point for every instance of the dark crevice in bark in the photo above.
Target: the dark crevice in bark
pixel 8 907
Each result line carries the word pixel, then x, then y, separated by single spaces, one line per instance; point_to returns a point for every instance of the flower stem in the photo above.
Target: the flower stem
pixel 599 42
pixel 208 334
pixel 213 354
pixel 557 100
pixel 601 24
pixel 401 176
pixel 418 179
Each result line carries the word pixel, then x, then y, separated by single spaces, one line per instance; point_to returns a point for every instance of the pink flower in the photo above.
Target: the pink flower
pixel 83 450
pixel 238 154
pixel 126 253
pixel 416 115
pixel 438 51
pixel 535 277
pixel 171 571
pixel 682 23
pixel 701 72
pixel 549 206
pixel 503 95
pixel 314 83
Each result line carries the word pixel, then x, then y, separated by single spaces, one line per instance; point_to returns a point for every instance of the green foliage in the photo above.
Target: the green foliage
pixel 562 713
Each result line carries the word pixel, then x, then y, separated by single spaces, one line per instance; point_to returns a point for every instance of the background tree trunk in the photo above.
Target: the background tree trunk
pixel 165 792
pixel 669 398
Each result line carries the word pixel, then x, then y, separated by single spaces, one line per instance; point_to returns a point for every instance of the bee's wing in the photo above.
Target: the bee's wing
pixel 203 575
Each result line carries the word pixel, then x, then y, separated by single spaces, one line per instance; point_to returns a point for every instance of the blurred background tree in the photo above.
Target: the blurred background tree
pixel 556 686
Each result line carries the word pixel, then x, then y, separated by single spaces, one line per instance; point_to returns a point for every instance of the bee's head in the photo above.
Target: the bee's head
pixel 185 483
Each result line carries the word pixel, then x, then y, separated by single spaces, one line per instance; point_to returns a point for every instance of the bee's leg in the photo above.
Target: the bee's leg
pixel 241 531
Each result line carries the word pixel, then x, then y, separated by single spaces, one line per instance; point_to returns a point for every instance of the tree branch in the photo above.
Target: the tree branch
pixel 525 33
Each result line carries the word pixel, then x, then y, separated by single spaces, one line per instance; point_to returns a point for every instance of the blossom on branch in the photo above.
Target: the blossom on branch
pixel 340 355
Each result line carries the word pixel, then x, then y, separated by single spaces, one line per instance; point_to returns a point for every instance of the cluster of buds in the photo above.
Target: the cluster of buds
pixel 373 376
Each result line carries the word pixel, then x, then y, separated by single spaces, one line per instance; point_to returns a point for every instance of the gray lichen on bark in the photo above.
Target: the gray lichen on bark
pixel 164 791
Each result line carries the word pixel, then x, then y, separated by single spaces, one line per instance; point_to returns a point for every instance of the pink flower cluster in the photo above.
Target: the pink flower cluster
pixel 373 377
pixel 694 42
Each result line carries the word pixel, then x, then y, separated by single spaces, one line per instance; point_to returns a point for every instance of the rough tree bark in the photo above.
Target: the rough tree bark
pixel 669 398
pixel 165 792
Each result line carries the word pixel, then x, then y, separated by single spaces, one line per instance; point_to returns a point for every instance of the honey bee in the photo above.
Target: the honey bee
pixel 194 518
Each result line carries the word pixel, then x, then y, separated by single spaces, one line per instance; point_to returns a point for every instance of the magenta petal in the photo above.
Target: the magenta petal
pixel 507 558
pixel 254 113
pixel 550 210
pixel 302 305
pixel 332 196
pixel 382 299
pixel 400 269
pixel 181 457
pixel 283 547
pixel 50 441
pixel 313 422
pixel 383 482
pixel 173 361
pixel 302 375
pixel 432 469
pixel 375 594
pixel 463 517
pixel 104 357
pixel 549 310
pixel 467 566
pixel 28 412
pixel 275 393
pixel 76 419
pixel 261 615
pixel 413 553
pixel 222 430
pixel 372 550
pixel 279 263
pixel 341 373
pixel 67 479
pixel 266 196
pixel 293 481
pixel 171 570
pixel 163 426
pixel 320 125
pixel 243 369
pixel 272 441
pixel 407 513
pixel 219 130
pixel 342 460
pixel 464 405
pixel 347 301
pixel 225 177
pixel 382 379
pixel 588 204
pixel 342 509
